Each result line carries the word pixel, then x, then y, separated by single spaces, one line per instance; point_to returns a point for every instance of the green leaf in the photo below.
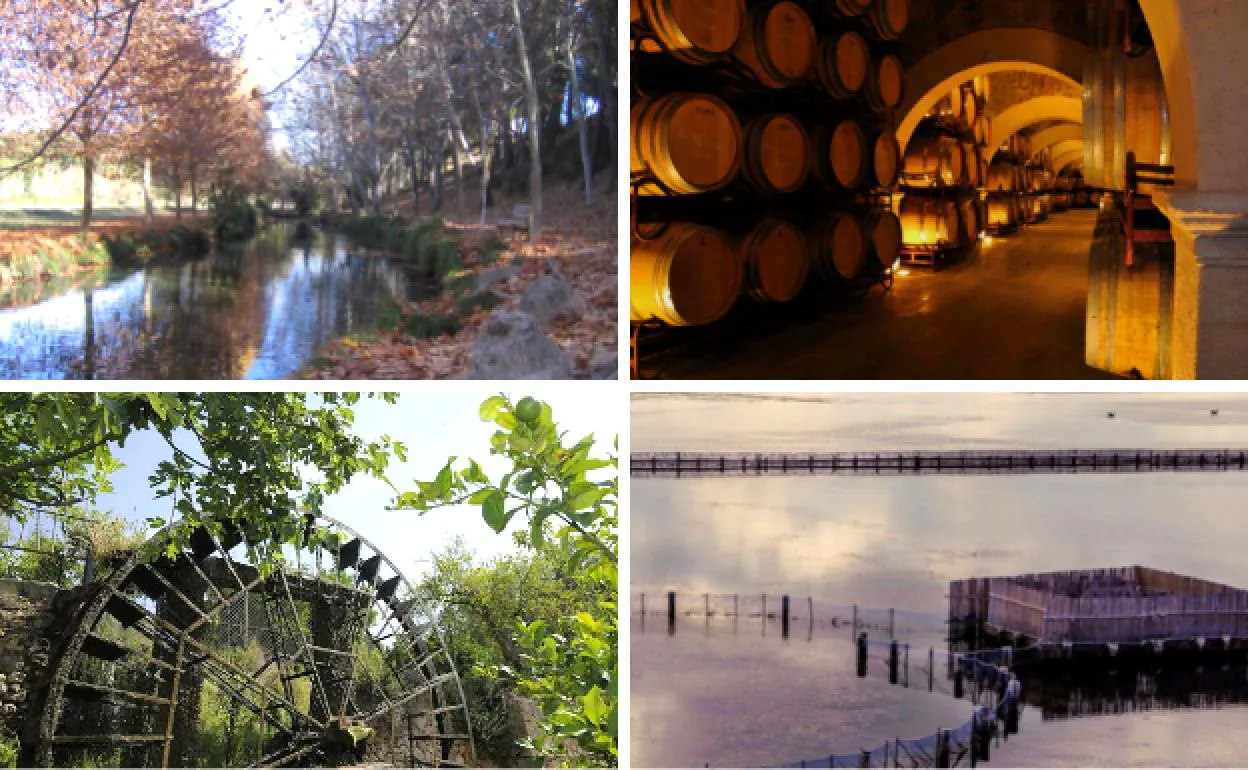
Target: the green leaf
pixel 492 407
pixel 595 707
pixel 492 511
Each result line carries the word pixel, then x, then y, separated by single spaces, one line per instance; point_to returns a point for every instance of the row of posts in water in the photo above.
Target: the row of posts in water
pixel 785 615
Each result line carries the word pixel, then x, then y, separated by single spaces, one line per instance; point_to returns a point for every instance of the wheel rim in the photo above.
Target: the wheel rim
pixel 329 645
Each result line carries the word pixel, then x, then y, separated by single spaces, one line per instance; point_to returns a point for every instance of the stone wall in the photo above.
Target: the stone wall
pixel 28 631
pixel 1007 89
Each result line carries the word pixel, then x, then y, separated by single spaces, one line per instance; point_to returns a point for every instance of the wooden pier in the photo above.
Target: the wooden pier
pixel 1016 461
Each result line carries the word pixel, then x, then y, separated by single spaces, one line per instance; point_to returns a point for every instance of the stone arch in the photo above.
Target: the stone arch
pixel 983 53
pixel 1042 140
pixel 1067 148
pixel 1037 110
pixel 1067 158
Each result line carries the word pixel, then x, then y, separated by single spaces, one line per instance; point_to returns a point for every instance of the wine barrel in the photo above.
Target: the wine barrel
pixel 1002 176
pixel 957 104
pixel 933 160
pixel 953 218
pixel 691 142
pixel 980 86
pixel 970 108
pixel 947 107
pixel 777 44
pixel 1061 201
pixel 838 248
pixel 843 64
pixel 971 164
pixel 1000 211
pixel 924 221
pixel 886 158
pixel 777 156
pixel 848 8
pixel 776 259
pixel 689 275
pixel 695 31
pixel 889 18
pixel 841 155
pixel 885 81
pixel 883 230
pixel 1031 209
pixel 1082 198
pixel 968 208
pixel 978 129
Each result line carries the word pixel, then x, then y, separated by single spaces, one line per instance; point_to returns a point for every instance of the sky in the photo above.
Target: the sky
pixel 887 421
pixel 433 425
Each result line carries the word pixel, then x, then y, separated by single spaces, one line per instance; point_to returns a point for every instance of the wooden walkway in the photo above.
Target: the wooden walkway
pixel 1016 461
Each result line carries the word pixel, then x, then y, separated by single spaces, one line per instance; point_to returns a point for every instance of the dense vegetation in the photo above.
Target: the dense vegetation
pixel 537 625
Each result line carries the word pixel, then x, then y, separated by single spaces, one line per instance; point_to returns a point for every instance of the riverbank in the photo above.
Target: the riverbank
pixel 509 310
pixel 39 253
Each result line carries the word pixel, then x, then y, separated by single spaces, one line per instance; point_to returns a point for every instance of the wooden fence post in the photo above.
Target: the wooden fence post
pixel 784 616
pixel 671 612
pixel 893 660
pixel 862 654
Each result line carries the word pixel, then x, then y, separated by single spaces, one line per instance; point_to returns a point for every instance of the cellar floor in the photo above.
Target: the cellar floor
pixel 1012 309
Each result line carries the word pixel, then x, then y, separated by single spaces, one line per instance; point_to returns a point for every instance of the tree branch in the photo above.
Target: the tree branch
pixel 84 101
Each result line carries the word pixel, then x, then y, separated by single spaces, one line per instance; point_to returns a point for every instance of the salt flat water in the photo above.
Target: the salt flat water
pixel 706 695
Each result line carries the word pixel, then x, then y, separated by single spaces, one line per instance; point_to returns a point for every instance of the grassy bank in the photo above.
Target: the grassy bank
pixel 28 255
pixel 31 254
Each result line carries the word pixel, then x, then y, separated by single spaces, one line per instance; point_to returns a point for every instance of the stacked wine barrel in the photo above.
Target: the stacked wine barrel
pixel 1039 198
pixel 762 134
pixel 942 171
pixel 1007 186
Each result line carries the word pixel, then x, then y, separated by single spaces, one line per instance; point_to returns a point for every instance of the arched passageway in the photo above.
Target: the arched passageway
pixel 1069 89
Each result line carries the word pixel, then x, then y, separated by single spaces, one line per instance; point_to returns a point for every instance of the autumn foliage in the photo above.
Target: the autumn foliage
pixel 138 82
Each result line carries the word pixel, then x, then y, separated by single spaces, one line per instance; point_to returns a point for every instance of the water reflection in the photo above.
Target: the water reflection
pixel 709 695
pixel 259 312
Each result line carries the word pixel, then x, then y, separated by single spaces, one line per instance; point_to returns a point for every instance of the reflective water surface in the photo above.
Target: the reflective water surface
pixel 258 312
pixel 723 693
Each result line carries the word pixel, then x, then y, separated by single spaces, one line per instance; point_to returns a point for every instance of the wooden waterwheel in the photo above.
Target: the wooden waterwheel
pixel 192 654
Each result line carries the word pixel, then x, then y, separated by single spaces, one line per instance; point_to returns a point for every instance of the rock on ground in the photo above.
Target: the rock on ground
pixel 605 365
pixel 512 346
pixel 551 297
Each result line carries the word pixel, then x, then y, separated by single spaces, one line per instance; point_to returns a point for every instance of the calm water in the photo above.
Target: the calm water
pixel 258 312
pixel 708 695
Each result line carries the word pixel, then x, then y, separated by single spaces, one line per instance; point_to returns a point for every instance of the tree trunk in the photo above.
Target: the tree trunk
pixel 575 102
pixel 148 211
pixel 194 190
pixel 177 190
pixel 606 86
pixel 437 175
pixel 535 133
pixel 414 174
pixel 88 189
pixel 485 157
pixel 459 178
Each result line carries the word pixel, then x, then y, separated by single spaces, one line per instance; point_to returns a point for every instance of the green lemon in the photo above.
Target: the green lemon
pixel 529 410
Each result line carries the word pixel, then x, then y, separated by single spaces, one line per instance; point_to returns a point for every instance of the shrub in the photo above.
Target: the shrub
pixel 234 217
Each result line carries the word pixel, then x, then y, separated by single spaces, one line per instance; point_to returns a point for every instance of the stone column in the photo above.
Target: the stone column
pixel 1210 327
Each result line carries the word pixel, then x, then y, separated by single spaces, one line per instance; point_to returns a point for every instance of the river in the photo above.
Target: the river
pixel 727 693
pixel 257 311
